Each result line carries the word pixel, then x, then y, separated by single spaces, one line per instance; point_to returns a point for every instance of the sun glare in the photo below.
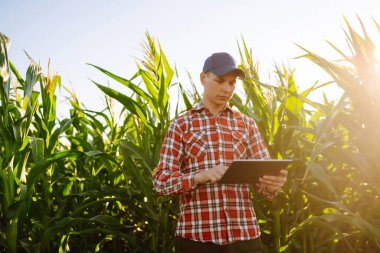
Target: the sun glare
pixel 377 53
pixel 376 42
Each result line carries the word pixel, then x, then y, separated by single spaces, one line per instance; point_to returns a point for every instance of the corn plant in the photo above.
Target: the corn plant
pixel 95 215
pixel 16 116
pixel 8 227
pixel 149 115
pixel 36 190
pixel 353 189
pixel 325 143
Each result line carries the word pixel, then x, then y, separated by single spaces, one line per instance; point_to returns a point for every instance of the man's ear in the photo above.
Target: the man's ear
pixel 202 77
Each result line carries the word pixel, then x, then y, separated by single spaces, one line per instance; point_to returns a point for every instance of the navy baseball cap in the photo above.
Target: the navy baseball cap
pixel 221 64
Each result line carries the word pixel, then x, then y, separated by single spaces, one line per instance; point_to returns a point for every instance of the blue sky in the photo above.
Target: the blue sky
pixel 110 33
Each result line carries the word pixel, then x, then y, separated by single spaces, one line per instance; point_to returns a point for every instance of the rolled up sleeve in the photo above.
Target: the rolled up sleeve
pixel 168 178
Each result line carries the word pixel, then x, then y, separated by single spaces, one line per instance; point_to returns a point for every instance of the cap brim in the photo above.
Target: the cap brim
pixel 226 70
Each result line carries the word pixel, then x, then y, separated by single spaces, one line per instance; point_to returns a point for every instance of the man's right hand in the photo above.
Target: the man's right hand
pixel 212 175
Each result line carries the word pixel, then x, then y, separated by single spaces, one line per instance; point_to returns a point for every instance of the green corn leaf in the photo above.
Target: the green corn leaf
pixel 149 82
pixel 130 149
pixel 108 221
pixel 54 139
pixel 67 188
pixel 165 80
pixel 33 74
pixel 129 103
pixel 186 99
pixel 96 122
pixel 30 113
pixel 8 187
pixel 125 82
pixel 96 231
pixel 61 227
pixel 4 67
pixel 11 235
pixel 17 74
pixel 106 156
pixel 43 164
pixel 38 148
pixel 96 203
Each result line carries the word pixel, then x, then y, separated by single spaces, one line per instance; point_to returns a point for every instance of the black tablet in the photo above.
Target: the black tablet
pixel 249 171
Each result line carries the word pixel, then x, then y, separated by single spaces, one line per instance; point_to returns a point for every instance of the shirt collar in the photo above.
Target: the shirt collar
pixel 200 107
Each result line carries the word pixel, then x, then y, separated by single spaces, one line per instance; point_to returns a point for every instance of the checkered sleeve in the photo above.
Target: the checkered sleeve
pixel 168 178
pixel 258 150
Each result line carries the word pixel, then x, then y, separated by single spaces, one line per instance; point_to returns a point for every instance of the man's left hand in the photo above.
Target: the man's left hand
pixel 274 183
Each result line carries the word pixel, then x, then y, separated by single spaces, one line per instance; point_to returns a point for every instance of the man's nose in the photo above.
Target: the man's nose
pixel 226 87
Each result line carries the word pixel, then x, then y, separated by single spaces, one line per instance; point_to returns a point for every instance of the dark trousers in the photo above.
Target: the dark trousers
pixel 183 245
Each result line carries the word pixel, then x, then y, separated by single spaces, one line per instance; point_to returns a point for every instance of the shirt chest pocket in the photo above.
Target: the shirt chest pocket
pixel 195 144
pixel 240 144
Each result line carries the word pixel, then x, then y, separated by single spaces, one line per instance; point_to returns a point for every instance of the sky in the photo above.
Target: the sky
pixel 110 34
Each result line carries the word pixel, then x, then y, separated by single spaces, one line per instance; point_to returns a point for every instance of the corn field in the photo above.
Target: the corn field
pixel 84 183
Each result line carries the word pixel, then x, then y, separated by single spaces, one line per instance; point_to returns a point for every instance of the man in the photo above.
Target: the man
pixel 198 148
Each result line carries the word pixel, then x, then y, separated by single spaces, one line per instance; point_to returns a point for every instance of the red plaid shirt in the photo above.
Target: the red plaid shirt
pixel 197 140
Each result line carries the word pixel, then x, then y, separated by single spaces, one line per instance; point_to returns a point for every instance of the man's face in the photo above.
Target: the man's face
pixel 218 90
